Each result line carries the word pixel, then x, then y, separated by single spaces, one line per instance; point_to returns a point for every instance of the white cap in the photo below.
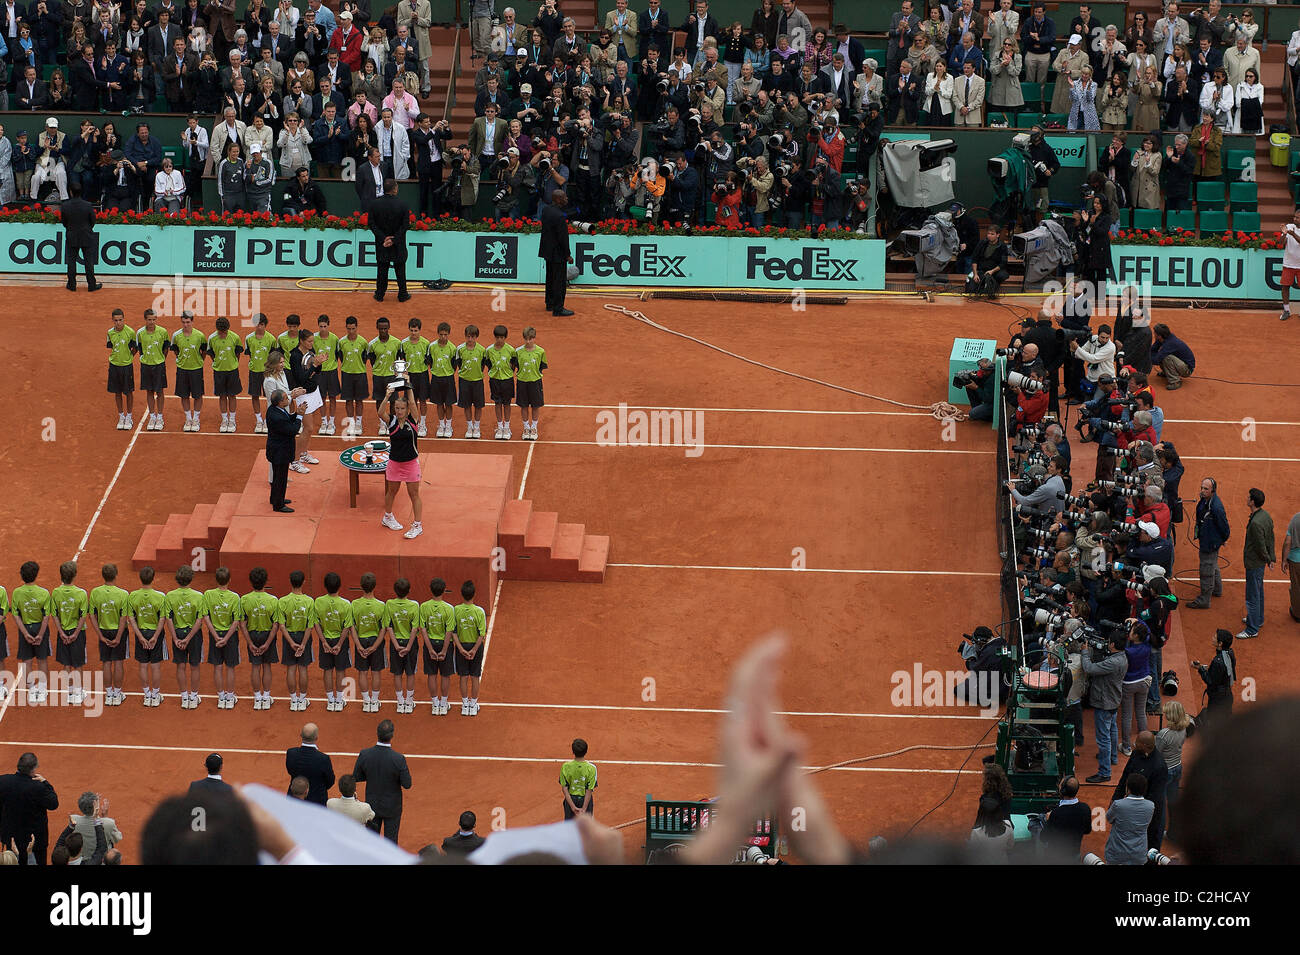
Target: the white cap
pixel 345 15
pixel 1075 39
pixel 52 122
pixel 513 151
pixel 1149 528
pixel 255 148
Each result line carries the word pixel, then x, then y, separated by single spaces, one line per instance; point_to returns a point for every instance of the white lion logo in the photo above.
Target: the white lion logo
pixel 496 253
pixel 214 247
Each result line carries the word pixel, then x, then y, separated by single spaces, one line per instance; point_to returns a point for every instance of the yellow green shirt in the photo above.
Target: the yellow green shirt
pixel 222 608
pixel 69 604
pixel 287 341
pixel 185 606
pixel 438 619
pixel 327 344
pixel 152 345
pixel 260 609
pixel 334 615
pixel 469 359
pixel 148 607
pixel 531 363
pixel 352 355
pixel 108 603
pixel 382 354
pixel 471 623
pixel 297 612
pixel 416 354
pixel 189 349
pixel 31 603
pixel 442 359
pixel 120 344
pixel 502 362
pixel 4 603
pixel 225 352
pixel 578 776
pixel 367 616
pixel 403 615
pixel 259 349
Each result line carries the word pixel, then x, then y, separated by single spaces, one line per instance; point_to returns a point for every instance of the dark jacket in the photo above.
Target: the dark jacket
pixel 460 844
pixel 385 774
pixel 1157 775
pixel 309 196
pixel 1065 828
pixel 1212 530
pixel 1258 548
pixel 281 428
pixel 40 98
pixel 554 240
pixel 91 855
pixel 1175 346
pixel 302 373
pixel 1051 350
pixel 390 216
pixel 25 804
pixel 1044 153
pixel 85 84
pixel 990 258
pixel 316 767
pixel 78 218
pixel 365 186
pixel 1184 106
pixel 326 148
pixel 208 785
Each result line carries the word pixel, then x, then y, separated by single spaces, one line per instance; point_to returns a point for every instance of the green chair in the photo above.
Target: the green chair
pixel 1032 92
pixel 1126 218
pixel 1214 222
pixel 880 56
pixel 1210 194
pixel 176 154
pixel 999 117
pixel 1025 120
pixel 1146 219
pixel 1061 118
pixel 1245 221
pixel 1244 195
pixel 1237 162
pixel 1180 220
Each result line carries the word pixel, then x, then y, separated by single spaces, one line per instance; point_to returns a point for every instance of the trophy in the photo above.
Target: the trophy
pixel 399 368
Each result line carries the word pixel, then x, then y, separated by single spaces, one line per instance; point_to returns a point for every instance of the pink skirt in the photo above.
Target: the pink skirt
pixel 403 472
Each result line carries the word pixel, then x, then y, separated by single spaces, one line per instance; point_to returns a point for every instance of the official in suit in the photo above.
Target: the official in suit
pixel 310 763
pixel 212 783
pixel 554 251
pixel 389 219
pixel 653 26
pixel 282 427
pixel 487 138
pixel 385 774
pixel 80 240
pixel 466 840
pixel 370 180
pixel 26 799
pixel 968 97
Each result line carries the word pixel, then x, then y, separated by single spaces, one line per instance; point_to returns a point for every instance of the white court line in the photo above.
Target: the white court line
pixel 1188 457
pixel 614 407
pixel 528 463
pixel 487 637
pixel 1285 424
pixel 20 683
pixel 448 757
pixel 109 490
pixel 816 570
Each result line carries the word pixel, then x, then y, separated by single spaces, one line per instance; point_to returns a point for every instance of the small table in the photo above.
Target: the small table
pixel 368 458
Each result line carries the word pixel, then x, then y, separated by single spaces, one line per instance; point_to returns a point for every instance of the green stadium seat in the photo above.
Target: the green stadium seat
pixel 1025 120
pixel 48 70
pixel 1209 194
pixel 1146 219
pixel 1033 93
pixel 1245 221
pixel 1236 162
pixel 1244 195
pixel 1214 222
pixel 1180 220
pixel 1126 218
pixel 1295 161
pixel 995 118
pixel 880 56
pixel 176 154
pixel 1061 118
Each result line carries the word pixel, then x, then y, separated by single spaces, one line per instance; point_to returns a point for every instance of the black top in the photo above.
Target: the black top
pixel 554 242
pixel 401 439
pixel 303 372
pixel 390 216
pixel 385 773
pixel 315 766
pixel 24 806
pixel 78 218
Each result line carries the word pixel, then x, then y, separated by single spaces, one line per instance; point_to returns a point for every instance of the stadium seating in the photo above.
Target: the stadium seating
pixel 1214 222
pixel 1025 120
pixel 1146 219
pixel 1235 161
pixel 1245 221
pixel 1244 195
pixel 1126 218
pixel 1209 194
pixel 1033 93
pixel 1180 220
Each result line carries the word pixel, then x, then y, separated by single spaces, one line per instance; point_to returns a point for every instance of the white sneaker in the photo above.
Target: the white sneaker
pixel 261 426
pixel 464 707
pixel 383 429
pixel 307 458
pixel 500 432
pixel 423 430
pixel 299 467
pixel 506 433
pixel 130 422
pixel 390 522
pixel 121 422
pixel 469 430
pixel 305 701
pixel 415 531
pixel 473 707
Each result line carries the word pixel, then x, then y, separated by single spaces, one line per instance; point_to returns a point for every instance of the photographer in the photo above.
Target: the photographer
pixel 429 142
pixel 979 385
pixel 795 191
pixel 301 193
pixel 982 652
pixel 1098 358
pixel 827 196
pixel 1218 678
pixel 726 200
pixel 709 92
pixel 548 176
pixel 621 139
pixel 684 192
pixel 462 187
pixel 748 143
pixel 1031 399
pixel 1105 667
pixel 1158 605
pixel 1042 157
pixel 1151 548
pixel 668 136
pixel 1133 688
pixel 759 182
pixel 652 82
pixel 1138 429
pixel 1047 487
pixel 651 187
pixel 718 158
pixel 517 179
pixel 988 264
pixel 1051 348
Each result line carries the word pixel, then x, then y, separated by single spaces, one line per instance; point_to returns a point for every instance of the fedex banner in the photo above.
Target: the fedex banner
pixel 225 252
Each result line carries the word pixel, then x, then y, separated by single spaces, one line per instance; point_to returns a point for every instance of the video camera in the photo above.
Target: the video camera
pixel 970 645
pixel 971 376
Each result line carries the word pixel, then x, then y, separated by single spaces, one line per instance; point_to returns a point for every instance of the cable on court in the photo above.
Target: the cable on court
pixel 941 410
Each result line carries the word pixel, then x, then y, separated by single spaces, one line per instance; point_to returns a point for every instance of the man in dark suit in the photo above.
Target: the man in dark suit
pixel 30 92
pixel 466 840
pixel 159 40
pixel 282 427
pixel 309 762
pixel 385 774
pixel 370 180
pixel 84 80
pixel 80 240
pixel 693 30
pixel 1067 824
pixel 26 799
pixel 212 783
pixel 554 251
pixel 389 219
pixel 652 27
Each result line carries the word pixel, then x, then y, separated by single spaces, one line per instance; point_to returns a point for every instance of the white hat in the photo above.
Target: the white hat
pixel 1149 528
pixel 525 87
pixel 1075 38
pixel 345 15
pixel 1151 571
pixel 52 122
pixel 513 151
pixel 255 148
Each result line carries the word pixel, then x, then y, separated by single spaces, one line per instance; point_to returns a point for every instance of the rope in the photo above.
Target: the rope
pixel 941 410
pixel 849 762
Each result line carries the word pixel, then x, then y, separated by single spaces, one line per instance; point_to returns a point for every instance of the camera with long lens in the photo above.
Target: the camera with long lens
pixel 1124 530
pixel 1007 352
pixel 544 164
pixel 1026 384
pixel 971 376
pixel 1046 553
pixel 1095 641
pixel 1112 487
pixel 1074 500
pixel 500 195
pixel 1045 618
pixel 1136 586
pixel 970 646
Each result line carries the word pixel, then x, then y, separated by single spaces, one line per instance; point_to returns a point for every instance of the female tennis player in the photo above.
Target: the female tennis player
pixel 403 457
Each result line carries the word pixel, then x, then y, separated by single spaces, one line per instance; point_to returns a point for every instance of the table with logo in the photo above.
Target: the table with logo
pixel 368 458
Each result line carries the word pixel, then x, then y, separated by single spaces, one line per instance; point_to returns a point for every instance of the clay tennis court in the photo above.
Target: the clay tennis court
pixel 894 525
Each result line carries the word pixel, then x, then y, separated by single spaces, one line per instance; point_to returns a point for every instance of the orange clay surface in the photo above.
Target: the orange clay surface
pixel 894 524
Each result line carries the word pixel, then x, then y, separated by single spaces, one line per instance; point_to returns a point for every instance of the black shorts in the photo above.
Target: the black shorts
pixel 121 379
pixel 355 386
pixel 193 652
pixel 157 654
pixel 189 383
pixel 227 656
pixel 153 377
pixel 471 393
pixel 257 638
pixel 404 664
pixel 469 667
pixel 328 383
pixel 379 386
pixel 376 660
pixel 4 641
pixel 420 385
pixel 287 654
pixel 530 394
pixel 28 652
pixel 444 667
pixel 503 391
pixel 225 384
pixel 72 654
pixel 442 390
pixel 340 660
pixel 255 379
pixel 109 654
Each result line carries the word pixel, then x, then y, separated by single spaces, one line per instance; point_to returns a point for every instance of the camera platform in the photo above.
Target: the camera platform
pixel 474 529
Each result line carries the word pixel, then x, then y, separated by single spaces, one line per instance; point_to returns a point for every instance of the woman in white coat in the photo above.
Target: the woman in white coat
pixel 8 191
pixel 937 101
pixel 1248 116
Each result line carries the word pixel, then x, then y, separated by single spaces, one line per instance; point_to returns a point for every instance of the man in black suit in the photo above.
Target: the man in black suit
pixel 652 27
pixel 282 428
pixel 212 783
pixel 30 92
pixel 1067 824
pixel 26 799
pixel 554 251
pixel 370 180
pixel 466 840
pixel 699 25
pixel 385 774
pixel 389 219
pixel 80 240
pixel 309 762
